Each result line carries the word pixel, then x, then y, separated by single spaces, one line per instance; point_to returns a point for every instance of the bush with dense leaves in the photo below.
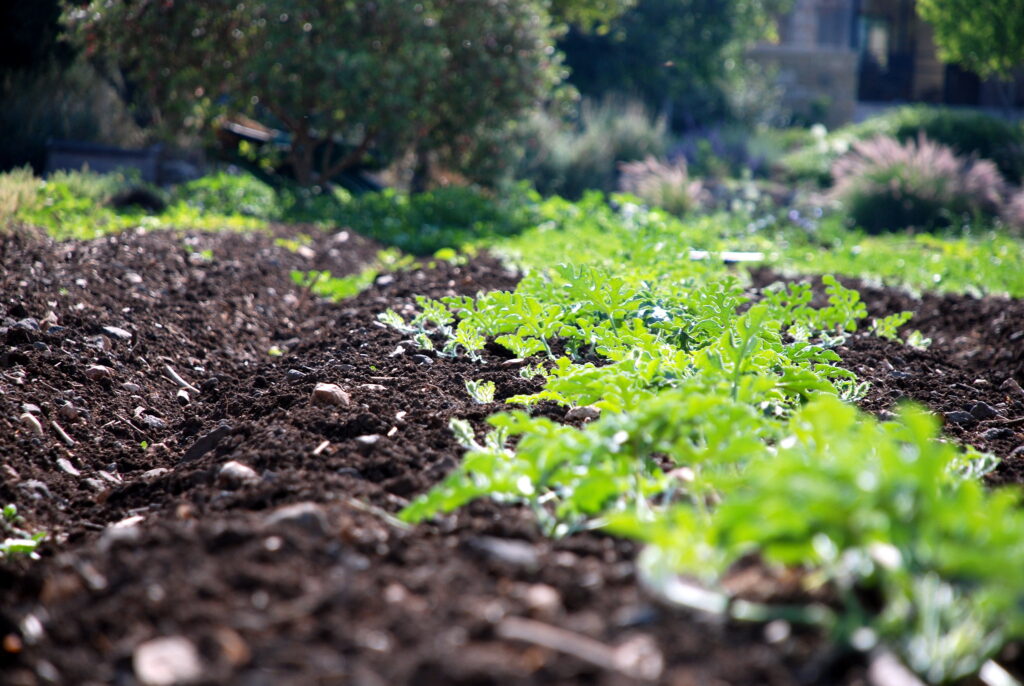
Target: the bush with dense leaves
pixel 384 76
pixel 448 217
pixel 885 185
pixel 224 193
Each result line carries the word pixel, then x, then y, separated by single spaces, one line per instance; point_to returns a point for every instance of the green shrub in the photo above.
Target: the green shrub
pixel 226 193
pixel 888 185
pixel 569 160
pixel 424 223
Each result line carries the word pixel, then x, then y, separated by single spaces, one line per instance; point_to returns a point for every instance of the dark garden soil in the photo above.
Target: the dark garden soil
pixel 287 567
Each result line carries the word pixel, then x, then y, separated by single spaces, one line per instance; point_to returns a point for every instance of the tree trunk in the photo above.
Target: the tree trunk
pixel 301 158
pixel 421 170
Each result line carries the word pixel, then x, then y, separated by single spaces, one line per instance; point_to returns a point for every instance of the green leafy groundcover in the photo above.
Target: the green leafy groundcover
pixel 767 454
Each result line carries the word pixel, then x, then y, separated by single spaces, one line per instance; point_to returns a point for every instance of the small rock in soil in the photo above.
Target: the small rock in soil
pixel 997 434
pixel 422 359
pixel 37 490
pixel 32 423
pixel 330 394
pixel 131 387
pixel 98 371
pixel 205 444
pixel 367 442
pixel 94 484
pixel 959 417
pixel 155 473
pixel 153 422
pixel 167 661
pixel 294 375
pixel 1012 387
pixel 542 600
pixel 983 411
pixel 118 332
pixel 373 387
pixel 584 413
pixel 27 324
pixel 209 384
pixel 29 407
pixel 69 412
pixel 308 516
pixel 182 397
pixel 66 467
pixel 119 535
pixel 507 551
pixel 234 475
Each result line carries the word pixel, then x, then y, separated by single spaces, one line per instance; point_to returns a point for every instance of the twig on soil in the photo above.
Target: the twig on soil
pixel 387 517
pixel 1019 421
pixel 132 426
pixel 178 380
pixel 320 448
pixel 631 659
pixel 63 434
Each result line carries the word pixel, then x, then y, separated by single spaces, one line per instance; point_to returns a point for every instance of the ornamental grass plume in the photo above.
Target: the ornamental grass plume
pixel 661 184
pixel 1013 211
pixel 886 185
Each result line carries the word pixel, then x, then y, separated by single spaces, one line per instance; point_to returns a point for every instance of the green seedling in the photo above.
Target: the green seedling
pixel 887 327
pixel 481 391
pixel 17 541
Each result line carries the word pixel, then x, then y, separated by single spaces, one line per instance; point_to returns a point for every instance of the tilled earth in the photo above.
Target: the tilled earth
pixel 287 565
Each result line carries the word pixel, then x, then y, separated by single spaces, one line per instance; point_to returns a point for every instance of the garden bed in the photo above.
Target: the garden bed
pixel 150 537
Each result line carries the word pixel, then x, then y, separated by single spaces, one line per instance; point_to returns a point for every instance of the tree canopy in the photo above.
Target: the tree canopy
pixel 677 55
pixel 986 37
pixel 383 75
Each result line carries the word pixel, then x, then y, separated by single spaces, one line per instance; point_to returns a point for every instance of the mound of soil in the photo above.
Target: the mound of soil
pixel 248 531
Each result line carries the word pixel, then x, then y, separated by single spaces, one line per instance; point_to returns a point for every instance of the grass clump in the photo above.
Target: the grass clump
pixel 571 158
pixel 661 184
pixel 18 192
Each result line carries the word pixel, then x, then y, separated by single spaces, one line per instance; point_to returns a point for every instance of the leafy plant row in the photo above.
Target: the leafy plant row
pixel 725 431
